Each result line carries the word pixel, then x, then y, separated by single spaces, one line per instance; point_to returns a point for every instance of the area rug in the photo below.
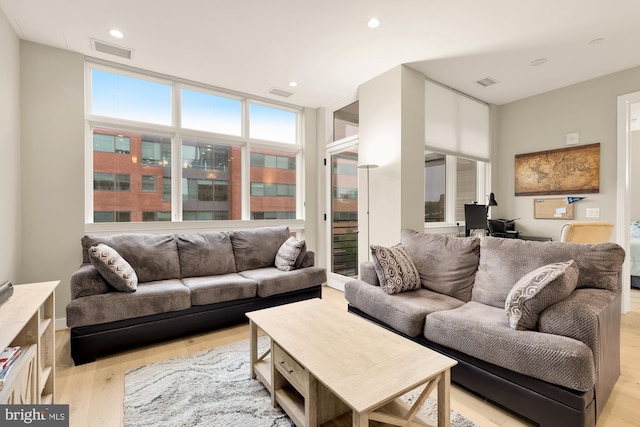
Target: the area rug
pixel 212 388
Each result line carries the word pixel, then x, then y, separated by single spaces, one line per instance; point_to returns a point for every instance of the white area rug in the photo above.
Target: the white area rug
pixel 212 388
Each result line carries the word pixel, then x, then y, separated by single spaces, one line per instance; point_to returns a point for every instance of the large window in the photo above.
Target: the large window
pixel 435 178
pixel 127 181
pixel 208 112
pixel 346 121
pixel 165 150
pixel 132 98
pixel 450 183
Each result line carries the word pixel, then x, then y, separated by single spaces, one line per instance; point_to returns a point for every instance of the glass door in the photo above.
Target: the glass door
pixel 344 213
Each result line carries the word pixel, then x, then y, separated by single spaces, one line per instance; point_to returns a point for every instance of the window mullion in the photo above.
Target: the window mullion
pixel 246 164
pixel 450 185
pixel 176 155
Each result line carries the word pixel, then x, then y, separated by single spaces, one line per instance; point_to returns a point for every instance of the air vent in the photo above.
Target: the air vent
pixel 279 92
pixel 487 81
pixel 111 49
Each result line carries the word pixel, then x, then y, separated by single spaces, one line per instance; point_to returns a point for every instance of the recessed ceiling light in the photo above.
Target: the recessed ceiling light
pixel 538 62
pixel 373 23
pixel 116 33
pixel 596 41
pixel 293 84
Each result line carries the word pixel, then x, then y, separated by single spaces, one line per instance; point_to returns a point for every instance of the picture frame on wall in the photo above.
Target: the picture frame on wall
pixel 562 171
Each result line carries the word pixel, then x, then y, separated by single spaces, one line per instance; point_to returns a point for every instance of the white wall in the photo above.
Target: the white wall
pixel 392 137
pixel 540 123
pixel 10 149
pixel 52 95
pixel 312 181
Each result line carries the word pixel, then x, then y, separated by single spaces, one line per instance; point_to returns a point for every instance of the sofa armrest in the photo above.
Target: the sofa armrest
pixel 86 280
pixel 593 317
pixel 368 273
pixel 308 260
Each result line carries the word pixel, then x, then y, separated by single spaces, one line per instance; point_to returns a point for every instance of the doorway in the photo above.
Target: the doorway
pixel 628 110
pixel 343 215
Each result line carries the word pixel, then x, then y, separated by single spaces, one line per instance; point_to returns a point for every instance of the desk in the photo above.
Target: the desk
pixel 536 238
pixel 516 235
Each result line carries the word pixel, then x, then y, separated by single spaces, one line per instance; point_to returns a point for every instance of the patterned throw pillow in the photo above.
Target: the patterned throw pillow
pixel 396 272
pixel 115 270
pixel 635 229
pixel 537 290
pixel 288 254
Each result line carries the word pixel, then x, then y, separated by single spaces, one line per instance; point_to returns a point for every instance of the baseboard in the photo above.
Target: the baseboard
pixel 61 323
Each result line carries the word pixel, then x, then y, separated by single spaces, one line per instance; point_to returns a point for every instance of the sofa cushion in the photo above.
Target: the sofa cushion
pixel 483 332
pixel 537 290
pixel 205 254
pixel 272 281
pixel 257 248
pixel 395 270
pixel 289 253
pixel 446 264
pixel 153 256
pixel 115 269
pixel 504 261
pixel 224 287
pixel 150 298
pixel 404 312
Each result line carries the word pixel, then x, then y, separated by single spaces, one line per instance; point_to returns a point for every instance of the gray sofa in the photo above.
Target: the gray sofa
pixel 186 283
pixel 558 371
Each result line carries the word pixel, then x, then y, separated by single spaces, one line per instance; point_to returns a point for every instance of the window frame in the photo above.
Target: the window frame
pixel 483 170
pixel 177 134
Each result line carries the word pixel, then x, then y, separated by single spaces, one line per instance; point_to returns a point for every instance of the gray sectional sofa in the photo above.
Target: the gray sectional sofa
pixel 186 283
pixel 559 369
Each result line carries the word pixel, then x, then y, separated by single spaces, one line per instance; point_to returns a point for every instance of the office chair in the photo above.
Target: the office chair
pixel 586 232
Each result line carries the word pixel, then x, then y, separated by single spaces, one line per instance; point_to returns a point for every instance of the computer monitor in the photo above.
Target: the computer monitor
pixel 475 218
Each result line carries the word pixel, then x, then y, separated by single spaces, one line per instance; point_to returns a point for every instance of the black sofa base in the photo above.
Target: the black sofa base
pixel 90 342
pixel 547 404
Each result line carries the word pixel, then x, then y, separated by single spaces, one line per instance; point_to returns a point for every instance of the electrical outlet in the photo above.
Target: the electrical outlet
pixel 593 212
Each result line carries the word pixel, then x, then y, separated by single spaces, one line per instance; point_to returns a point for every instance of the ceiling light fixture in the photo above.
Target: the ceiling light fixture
pixel 116 33
pixel 373 23
pixel 538 62
pixel 293 84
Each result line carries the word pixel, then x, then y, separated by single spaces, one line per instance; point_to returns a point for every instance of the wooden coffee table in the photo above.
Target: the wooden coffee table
pixel 326 366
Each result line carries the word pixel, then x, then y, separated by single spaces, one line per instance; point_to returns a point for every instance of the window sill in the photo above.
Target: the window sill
pixel 187 226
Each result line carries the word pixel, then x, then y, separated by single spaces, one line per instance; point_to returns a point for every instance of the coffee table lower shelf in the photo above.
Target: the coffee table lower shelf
pixel 310 386
pixel 293 403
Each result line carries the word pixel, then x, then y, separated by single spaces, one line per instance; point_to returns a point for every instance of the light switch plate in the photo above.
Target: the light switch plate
pixel 572 138
pixel 593 212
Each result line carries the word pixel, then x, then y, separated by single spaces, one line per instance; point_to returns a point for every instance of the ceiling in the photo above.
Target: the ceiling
pixel 327 48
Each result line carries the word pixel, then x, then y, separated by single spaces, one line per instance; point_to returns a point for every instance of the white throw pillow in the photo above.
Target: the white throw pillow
pixel 288 254
pixel 115 269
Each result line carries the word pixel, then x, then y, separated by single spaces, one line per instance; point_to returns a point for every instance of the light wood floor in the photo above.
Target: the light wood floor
pixel 95 391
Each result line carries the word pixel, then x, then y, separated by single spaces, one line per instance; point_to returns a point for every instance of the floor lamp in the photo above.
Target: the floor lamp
pixel 368 167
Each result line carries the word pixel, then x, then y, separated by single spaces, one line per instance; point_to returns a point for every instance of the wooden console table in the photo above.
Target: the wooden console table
pixel 27 320
pixel 326 365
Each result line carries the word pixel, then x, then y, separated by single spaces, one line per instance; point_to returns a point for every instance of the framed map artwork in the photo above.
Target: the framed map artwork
pixel 563 171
